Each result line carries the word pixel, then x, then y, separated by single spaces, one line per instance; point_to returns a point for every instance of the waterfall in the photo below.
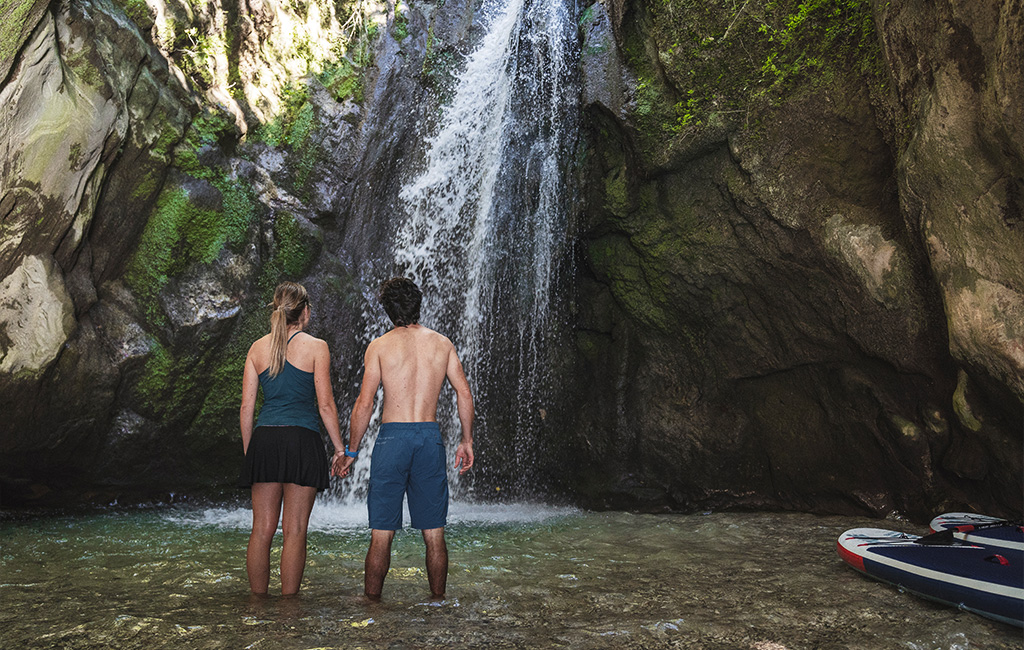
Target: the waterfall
pixel 485 224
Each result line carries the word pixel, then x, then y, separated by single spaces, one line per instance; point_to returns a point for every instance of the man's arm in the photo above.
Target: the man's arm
pixel 362 410
pixel 464 400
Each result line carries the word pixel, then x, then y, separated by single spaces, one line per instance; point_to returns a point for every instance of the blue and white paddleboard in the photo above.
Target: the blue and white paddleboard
pixel 984 580
pixel 981 530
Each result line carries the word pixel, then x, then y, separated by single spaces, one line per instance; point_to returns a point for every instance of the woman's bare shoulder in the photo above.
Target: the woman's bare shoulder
pixel 260 344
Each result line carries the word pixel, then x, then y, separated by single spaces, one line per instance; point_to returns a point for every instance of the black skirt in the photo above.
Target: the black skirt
pixel 285 455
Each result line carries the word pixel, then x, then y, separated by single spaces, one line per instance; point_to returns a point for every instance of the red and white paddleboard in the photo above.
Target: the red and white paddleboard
pixel 981 579
pixel 981 529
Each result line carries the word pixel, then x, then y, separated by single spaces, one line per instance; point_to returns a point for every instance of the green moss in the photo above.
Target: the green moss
pixel 75 156
pixel 139 12
pixel 14 13
pixel 295 128
pixel 343 79
pixel 84 69
pixel 616 261
pixel 700 62
pixel 400 27
pixel 219 410
pixel 166 388
pixel 962 406
pixel 180 233
pixel 293 116
pixel 145 187
pixel 813 37
pixel 208 129
pixel 295 249
pixel 177 234
pixel 616 192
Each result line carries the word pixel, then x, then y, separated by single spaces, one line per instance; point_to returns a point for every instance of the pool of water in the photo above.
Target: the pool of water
pixel 522 576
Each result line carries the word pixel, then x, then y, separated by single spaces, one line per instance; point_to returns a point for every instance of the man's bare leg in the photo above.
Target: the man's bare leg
pixel 378 561
pixel 437 561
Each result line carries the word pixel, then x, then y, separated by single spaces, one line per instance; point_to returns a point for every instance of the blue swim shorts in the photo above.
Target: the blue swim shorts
pixel 408 458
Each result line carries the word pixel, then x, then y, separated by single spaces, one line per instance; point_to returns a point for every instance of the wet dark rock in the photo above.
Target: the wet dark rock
pixel 794 309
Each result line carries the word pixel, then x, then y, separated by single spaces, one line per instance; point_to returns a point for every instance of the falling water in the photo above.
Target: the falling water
pixel 487 213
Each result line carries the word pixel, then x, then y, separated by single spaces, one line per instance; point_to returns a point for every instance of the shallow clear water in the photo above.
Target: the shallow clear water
pixel 522 576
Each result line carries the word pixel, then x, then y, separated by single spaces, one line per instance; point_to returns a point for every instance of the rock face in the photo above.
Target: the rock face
pixel 165 165
pixel 799 239
pixel 802 281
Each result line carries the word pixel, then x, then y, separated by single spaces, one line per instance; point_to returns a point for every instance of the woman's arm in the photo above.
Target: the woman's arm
pixel 325 396
pixel 250 387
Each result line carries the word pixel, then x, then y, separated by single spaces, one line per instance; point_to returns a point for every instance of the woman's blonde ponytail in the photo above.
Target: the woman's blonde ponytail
pixel 290 299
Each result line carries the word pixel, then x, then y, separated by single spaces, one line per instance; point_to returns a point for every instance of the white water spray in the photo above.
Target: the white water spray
pixel 487 213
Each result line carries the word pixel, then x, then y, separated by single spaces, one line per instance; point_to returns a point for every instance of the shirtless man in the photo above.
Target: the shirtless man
pixel 412 362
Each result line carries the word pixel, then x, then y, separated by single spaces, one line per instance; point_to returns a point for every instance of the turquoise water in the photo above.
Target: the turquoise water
pixel 522 576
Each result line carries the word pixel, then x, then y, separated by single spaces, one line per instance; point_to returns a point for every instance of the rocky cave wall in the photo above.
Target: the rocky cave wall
pixel 799 239
pixel 802 249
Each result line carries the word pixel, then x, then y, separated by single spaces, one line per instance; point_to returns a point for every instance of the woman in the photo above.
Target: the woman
pixel 285 463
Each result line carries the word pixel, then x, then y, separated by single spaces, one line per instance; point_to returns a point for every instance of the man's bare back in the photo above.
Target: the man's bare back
pixel 414 361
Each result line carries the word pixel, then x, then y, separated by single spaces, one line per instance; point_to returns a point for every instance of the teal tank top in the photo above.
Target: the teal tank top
pixel 289 399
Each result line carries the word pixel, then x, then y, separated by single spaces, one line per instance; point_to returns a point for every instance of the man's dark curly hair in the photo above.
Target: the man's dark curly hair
pixel 401 299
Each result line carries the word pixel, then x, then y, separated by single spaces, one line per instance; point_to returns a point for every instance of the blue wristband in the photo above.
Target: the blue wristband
pixel 351 454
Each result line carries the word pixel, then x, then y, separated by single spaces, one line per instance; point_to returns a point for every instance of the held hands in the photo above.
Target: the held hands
pixel 341 464
pixel 464 457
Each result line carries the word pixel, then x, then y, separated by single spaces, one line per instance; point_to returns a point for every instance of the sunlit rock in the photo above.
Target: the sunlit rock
pixel 878 262
pixel 986 321
pixel 36 316
pixel 61 122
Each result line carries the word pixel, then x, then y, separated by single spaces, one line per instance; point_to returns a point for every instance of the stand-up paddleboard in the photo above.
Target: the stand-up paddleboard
pixel 984 580
pixel 981 530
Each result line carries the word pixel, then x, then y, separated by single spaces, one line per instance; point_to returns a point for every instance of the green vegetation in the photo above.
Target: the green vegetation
pixel 628 274
pixel 193 50
pixel 698 61
pixel 295 248
pixel 294 128
pixel 817 36
pixel 179 232
pixel 400 28
pixel 439 65
pixel 138 11
pixel 219 410
pixel 358 33
pixel 294 123
pixel 13 14
pixel 343 79
pixel 78 61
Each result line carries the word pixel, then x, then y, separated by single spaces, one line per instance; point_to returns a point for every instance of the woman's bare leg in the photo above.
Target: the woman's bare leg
pixel 298 503
pixel 266 511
